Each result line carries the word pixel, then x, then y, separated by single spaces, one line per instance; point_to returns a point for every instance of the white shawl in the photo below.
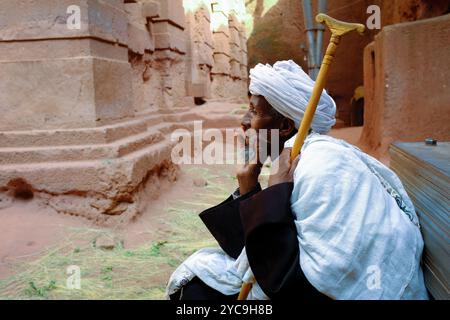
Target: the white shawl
pixel 355 241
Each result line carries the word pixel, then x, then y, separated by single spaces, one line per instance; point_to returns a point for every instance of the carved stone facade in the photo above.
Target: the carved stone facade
pixel 406 87
pixel 86 112
pixel 279 33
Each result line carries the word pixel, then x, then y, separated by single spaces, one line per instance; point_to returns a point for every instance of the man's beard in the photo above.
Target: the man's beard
pixel 253 147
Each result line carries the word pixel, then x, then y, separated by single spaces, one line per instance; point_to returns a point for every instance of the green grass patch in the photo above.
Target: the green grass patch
pixel 121 273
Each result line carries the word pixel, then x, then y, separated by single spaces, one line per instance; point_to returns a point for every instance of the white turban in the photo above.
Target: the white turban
pixel 288 88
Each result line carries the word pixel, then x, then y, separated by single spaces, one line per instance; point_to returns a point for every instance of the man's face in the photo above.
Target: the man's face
pixel 260 115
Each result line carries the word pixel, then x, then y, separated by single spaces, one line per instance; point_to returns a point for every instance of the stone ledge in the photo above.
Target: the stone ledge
pixel 66 93
pixel 111 190
pixel 139 40
pixel 103 191
pixel 67 137
pixel 151 9
pixel 52 49
pixel 171 11
pixel 104 20
pixel 107 177
pixel 169 37
pixel 79 152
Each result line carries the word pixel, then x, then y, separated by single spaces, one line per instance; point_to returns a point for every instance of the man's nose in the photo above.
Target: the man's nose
pixel 246 121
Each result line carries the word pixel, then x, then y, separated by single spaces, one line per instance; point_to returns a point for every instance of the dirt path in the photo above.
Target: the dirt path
pixel 37 244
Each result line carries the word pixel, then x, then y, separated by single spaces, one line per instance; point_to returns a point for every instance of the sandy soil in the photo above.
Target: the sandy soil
pixel 28 228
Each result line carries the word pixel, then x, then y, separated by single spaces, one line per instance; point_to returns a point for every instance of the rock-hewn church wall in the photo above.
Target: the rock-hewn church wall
pixel 276 32
pixel 87 109
pixel 406 85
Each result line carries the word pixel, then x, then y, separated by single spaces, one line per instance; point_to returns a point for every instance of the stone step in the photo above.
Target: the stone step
pixel 210 120
pixel 117 149
pixel 113 132
pixel 148 130
pixel 83 136
pixel 93 176
pixel 211 113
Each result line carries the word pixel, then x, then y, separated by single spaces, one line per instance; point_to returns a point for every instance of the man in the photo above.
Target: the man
pixel 335 223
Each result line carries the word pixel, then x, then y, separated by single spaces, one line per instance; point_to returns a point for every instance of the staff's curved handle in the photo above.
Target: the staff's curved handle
pixel 338 29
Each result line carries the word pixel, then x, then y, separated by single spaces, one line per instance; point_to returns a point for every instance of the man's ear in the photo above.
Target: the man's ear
pixel 287 128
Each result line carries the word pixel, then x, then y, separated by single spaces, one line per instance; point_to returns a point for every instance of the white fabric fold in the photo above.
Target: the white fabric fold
pixel 219 271
pixel 288 88
pixel 358 233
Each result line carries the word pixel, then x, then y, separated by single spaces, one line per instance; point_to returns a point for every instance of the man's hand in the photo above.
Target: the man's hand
pixel 284 169
pixel 247 177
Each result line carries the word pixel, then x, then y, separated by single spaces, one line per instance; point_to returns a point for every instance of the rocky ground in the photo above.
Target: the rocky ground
pixel 132 261
pixel 127 262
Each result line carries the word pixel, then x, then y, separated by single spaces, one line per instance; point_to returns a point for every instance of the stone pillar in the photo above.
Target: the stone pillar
pixel 52 76
pixel 68 131
pixel 228 58
pixel 244 55
pixel 238 45
pixel 407 84
pixel 221 70
pixel 141 46
pixel 235 49
pixel 200 48
pixel 170 50
pixel 86 107
pixel 373 87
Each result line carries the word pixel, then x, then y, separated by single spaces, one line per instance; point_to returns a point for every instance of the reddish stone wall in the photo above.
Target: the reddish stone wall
pixel 407 85
pixel 279 33
pixel 87 112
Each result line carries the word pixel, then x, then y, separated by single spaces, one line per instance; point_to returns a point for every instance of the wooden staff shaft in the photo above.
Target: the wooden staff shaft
pixel 245 290
pixel 338 29
pixel 315 97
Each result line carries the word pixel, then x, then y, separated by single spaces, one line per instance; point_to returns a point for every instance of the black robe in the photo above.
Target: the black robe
pixel 263 222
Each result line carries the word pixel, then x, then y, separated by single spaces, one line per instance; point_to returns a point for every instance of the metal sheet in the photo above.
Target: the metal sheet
pixel 425 172
pixel 436 156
